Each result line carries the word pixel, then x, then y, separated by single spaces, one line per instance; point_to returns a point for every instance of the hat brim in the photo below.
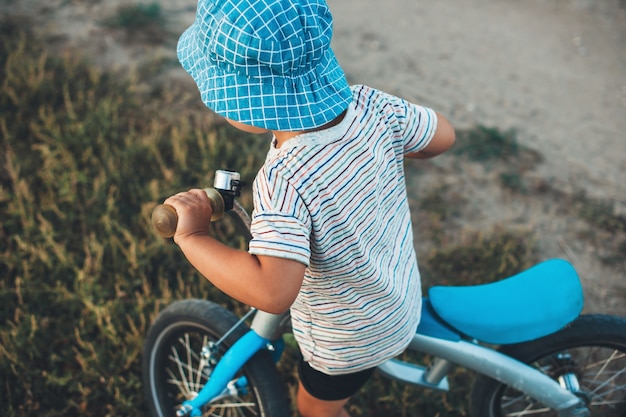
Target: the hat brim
pixel 293 103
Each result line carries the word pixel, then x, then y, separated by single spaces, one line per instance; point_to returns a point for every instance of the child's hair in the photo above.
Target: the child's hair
pixel 266 63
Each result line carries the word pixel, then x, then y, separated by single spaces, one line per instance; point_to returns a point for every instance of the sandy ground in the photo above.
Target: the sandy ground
pixel 553 70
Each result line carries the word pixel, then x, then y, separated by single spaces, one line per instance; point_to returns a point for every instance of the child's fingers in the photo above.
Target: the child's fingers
pixel 185 197
pixel 200 194
pixel 192 202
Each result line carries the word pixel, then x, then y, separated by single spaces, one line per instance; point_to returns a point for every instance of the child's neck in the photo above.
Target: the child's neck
pixel 283 136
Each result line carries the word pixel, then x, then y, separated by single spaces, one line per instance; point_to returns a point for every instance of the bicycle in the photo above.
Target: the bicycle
pixel 548 361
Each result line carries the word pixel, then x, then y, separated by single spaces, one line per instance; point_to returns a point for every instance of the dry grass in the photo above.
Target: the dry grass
pixel 83 159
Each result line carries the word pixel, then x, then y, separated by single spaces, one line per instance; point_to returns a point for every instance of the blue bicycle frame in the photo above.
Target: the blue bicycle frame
pixel 470 355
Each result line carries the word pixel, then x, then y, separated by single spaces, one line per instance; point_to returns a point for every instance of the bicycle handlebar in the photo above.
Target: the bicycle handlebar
pixel 165 218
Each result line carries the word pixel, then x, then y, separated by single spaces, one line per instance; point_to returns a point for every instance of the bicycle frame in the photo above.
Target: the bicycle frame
pixel 266 331
pixel 263 333
pixel 470 355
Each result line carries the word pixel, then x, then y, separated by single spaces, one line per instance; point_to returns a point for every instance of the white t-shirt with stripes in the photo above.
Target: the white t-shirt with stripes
pixel 335 200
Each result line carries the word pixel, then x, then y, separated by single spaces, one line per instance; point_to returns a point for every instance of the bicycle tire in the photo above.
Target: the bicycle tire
pixel 593 348
pixel 171 358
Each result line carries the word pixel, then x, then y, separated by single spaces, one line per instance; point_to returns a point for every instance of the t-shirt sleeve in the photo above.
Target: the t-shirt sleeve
pixel 414 126
pixel 420 125
pixel 280 221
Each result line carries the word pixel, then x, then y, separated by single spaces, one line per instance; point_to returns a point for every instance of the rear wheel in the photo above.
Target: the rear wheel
pixel 176 367
pixel 588 356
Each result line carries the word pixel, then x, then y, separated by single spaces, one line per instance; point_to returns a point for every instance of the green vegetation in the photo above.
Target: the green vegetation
pixel 607 228
pixel 83 160
pixel 437 202
pixel 484 144
pixel 480 258
pixel 600 214
pixel 144 21
pixel 493 147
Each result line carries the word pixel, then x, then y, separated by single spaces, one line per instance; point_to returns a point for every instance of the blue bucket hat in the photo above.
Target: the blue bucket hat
pixel 266 63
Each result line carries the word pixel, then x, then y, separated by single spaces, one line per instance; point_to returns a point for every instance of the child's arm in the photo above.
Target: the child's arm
pixel 442 141
pixel 268 283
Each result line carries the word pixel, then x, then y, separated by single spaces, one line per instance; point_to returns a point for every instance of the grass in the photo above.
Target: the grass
pixel 140 22
pixel 600 214
pixel 441 202
pixel 606 231
pixel 494 148
pixel 480 258
pixel 486 144
pixel 137 16
pixel 84 157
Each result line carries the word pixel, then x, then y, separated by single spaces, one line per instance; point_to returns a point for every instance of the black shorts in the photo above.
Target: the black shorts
pixel 331 387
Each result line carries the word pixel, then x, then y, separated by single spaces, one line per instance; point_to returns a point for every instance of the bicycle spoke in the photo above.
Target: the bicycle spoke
pixel 183 394
pixel 178 362
pixel 597 394
pixel 189 367
pixel 201 364
pixel 601 371
pixel 190 380
pixel 231 409
pixel 510 402
pixel 528 412
pixel 603 376
pixel 602 379
pixel 186 369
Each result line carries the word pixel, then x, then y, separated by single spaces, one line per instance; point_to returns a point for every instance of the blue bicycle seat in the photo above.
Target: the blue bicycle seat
pixel 526 306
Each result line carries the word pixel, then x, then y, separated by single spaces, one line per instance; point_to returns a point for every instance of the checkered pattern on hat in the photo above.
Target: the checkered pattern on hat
pixel 266 63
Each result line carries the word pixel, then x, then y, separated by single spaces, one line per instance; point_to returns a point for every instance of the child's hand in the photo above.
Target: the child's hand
pixel 194 212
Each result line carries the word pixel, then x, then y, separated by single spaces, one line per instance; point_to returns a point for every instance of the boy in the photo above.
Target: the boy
pixel 332 236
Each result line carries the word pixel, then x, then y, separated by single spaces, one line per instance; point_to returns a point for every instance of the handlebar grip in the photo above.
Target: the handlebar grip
pixel 165 218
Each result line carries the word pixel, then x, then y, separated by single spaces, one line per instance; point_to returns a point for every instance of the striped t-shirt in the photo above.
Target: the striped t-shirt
pixel 335 200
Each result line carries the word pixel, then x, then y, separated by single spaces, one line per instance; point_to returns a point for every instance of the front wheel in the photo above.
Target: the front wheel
pixel 175 368
pixel 588 356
